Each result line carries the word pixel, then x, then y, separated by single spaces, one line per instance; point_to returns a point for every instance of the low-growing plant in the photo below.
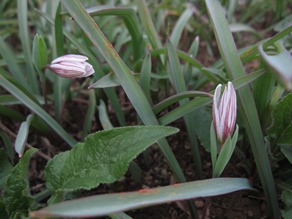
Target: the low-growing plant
pixel 87 88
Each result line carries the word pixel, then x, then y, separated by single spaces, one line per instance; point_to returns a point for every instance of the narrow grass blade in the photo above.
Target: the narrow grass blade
pixel 177 79
pixel 262 91
pixel 11 113
pixel 7 145
pixel 148 25
pixel 91 109
pixel 145 76
pixel 179 26
pixel 13 67
pixel 103 116
pixel 131 22
pixel 178 97
pixel 234 28
pixel 60 84
pixel 26 46
pixel 109 80
pixel 182 55
pixel 37 109
pixel 101 205
pixel 246 103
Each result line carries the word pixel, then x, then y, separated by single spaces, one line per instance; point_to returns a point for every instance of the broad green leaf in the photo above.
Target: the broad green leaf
pixel 287 213
pixel 282 118
pixel 280 63
pixel 17 197
pixel 287 199
pixel 100 205
pixel 5 168
pixel 282 126
pixel 103 157
pixel 22 135
pixel 3 213
pixel 287 151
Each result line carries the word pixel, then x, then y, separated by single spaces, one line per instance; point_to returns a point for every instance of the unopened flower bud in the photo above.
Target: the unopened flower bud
pixel 71 66
pixel 224 112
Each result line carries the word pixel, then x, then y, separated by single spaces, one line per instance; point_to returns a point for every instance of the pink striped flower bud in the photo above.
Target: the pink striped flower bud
pixel 71 66
pixel 224 112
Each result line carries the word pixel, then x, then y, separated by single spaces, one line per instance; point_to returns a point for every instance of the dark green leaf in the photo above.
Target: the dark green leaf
pixel 16 196
pixel 287 150
pixel 287 199
pixel 5 168
pixel 3 213
pixel 287 213
pixel 103 157
pixel 282 119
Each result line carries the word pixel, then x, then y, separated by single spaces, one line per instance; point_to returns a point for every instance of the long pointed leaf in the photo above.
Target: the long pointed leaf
pixel 106 204
pixel 177 79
